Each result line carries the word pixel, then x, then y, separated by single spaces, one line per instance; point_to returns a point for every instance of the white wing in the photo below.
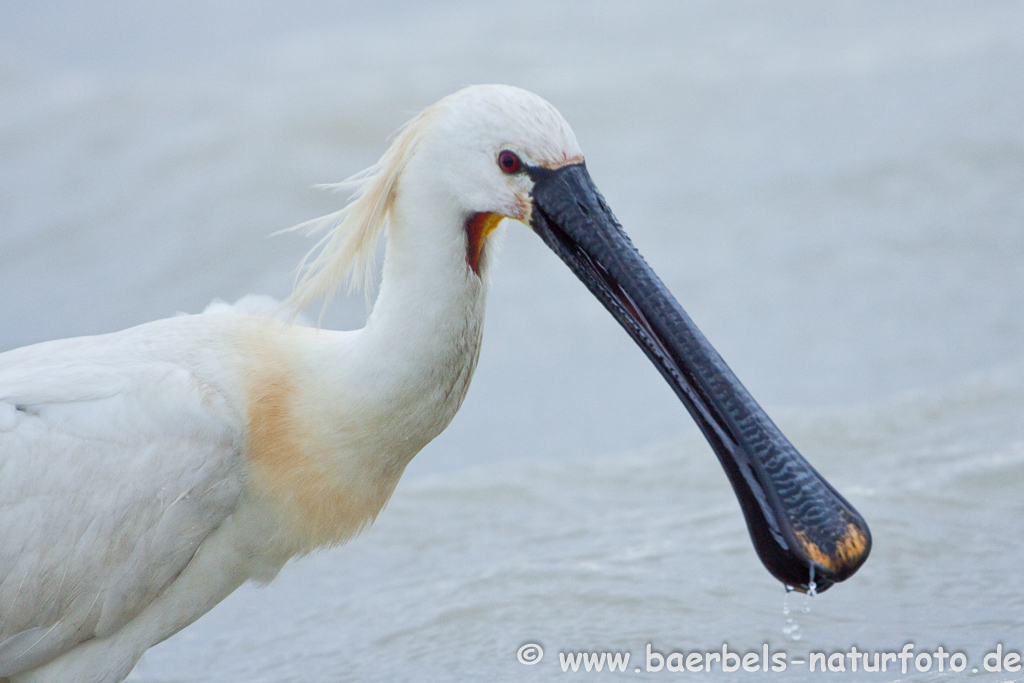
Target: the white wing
pixel 113 469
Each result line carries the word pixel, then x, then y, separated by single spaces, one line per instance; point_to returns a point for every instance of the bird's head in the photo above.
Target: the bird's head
pixel 477 145
pixel 472 154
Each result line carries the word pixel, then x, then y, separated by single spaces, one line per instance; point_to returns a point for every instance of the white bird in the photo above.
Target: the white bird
pixel 146 474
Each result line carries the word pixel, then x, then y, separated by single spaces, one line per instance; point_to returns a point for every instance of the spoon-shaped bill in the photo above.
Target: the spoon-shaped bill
pixel 802 529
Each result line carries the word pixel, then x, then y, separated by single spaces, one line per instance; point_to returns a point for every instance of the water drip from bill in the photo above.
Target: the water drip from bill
pixel 792 629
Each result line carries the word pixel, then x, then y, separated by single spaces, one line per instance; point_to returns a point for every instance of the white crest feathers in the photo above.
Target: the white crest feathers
pixel 347 250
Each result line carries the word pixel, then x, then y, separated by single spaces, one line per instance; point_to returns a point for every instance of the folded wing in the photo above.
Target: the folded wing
pixel 113 469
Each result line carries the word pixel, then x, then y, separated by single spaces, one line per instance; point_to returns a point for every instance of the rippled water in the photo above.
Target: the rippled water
pixel 836 195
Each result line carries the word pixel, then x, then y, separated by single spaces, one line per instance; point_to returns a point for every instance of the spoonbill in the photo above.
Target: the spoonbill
pixel 147 473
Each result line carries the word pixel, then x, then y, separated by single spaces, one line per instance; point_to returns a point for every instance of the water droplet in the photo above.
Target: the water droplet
pixel 812 590
pixel 791 629
pixel 806 607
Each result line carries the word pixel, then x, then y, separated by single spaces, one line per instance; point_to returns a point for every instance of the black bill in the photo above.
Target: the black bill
pixel 802 529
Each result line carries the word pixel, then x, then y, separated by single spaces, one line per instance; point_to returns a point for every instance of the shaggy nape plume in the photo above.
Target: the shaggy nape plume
pixel 347 249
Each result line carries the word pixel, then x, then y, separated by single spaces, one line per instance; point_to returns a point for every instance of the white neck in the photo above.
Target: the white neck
pixel 361 404
pixel 421 343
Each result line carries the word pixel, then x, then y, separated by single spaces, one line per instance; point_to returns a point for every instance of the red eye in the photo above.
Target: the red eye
pixel 509 162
